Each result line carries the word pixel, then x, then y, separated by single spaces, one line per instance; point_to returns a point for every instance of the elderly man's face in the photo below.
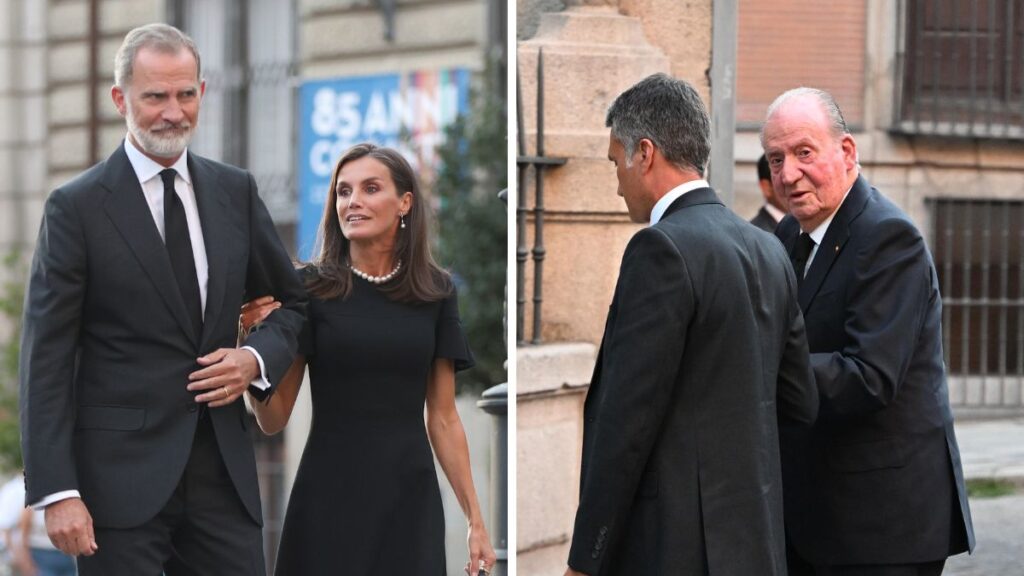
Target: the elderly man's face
pixel 811 168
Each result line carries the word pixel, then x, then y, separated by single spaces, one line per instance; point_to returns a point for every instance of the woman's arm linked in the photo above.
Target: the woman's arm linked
pixel 272 415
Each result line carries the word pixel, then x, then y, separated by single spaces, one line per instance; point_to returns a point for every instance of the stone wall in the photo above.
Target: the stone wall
pixel 346 37
pixel 23 119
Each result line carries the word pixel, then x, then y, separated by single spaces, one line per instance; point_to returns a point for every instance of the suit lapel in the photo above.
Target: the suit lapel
pixel 128 211
pixel 212 205
pixel 832 244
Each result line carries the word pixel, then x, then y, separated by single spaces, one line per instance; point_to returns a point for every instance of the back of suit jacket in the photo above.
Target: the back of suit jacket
pixel 703 348
pixel 878 479
pixel 764 220
pixel 106 351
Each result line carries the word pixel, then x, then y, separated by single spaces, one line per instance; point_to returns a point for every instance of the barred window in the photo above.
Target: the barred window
pixel 961 68
pixel 979 254
pixel 248 51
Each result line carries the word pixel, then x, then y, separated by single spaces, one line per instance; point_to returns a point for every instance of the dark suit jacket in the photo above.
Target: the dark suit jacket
pixel 106 347
pixel 703 349
pixel 764 220
pixel 878 479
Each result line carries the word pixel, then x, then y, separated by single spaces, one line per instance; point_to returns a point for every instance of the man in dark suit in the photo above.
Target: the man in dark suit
pixel 875 487
pixel 703 351
pixel 134 440
pixel 768 217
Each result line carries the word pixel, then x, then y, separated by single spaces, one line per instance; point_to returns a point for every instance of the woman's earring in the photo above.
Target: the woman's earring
pixel 401 218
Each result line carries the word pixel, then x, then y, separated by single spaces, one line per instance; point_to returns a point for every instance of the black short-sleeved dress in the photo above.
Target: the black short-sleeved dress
pixel 366 498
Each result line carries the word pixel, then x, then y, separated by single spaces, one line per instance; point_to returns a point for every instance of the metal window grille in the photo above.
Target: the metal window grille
pixel 248 112
pixel 979 255
pixel 960 68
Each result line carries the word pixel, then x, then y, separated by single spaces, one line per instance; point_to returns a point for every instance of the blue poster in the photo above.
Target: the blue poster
pixel 405 111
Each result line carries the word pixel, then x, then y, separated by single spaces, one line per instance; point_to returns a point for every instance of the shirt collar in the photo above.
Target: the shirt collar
pixel 662 205
pixel 147 168
pixel 774 212
pixel 818 234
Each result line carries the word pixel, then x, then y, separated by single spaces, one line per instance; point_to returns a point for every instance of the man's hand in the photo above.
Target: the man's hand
pixel 226 374
pixel 69 526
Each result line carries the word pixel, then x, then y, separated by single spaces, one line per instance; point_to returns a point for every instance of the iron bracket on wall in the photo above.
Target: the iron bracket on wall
pixel 538 162
pixel 387 11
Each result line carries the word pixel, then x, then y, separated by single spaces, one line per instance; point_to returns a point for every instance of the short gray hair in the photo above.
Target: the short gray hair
pixel 837 124
pixel 669 113
pixel 161 37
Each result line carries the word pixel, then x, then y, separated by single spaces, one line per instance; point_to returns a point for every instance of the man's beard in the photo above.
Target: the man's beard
pixel 164 139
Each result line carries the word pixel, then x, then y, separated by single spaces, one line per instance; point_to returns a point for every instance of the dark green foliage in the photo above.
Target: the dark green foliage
pixel 11 301
pixel 473 228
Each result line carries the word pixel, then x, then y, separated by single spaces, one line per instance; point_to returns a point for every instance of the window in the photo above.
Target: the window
pixel 248 51
pixel 961 69
pixel 979 254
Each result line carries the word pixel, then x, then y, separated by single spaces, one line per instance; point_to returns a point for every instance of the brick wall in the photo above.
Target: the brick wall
pixel 789 43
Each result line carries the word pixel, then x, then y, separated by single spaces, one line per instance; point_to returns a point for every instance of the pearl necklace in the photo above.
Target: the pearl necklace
pixel 376 279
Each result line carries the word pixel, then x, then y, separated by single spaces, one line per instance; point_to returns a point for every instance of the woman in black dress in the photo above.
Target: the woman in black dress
pixel 383 338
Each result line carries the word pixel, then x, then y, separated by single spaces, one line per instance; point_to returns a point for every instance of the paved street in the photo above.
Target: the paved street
pixel 993 449
pixel 999 528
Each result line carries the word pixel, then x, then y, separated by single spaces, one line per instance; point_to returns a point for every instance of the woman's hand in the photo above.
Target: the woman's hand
pixel 481 553
pixel 255 311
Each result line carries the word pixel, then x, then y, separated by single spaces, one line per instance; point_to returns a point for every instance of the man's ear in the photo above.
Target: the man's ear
pixel 118 96
pixel 645 149
pixel 849 148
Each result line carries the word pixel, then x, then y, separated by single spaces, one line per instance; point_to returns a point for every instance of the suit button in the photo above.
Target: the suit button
pixel 191 406
pixel 590 419
pixel 594 555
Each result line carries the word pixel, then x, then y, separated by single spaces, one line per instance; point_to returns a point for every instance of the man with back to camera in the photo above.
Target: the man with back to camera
pixel 703 352
pixel 768 217
pixel 875 487
pixel 133 437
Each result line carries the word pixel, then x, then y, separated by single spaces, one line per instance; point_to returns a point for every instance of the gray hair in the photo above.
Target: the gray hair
pixel 669 113
pixel 837 124
pixel 161 37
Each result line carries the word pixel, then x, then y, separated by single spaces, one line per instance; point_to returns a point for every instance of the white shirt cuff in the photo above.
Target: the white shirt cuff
pixel 54 498
pixel 260 383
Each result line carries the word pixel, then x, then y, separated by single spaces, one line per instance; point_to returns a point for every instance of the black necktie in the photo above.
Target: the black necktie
pixel 179 248
pixel 801 251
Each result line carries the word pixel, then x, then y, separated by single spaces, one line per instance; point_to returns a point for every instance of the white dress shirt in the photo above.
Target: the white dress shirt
pixel 818 234
pixel 774 212
pixel 148 173
pixel 672 195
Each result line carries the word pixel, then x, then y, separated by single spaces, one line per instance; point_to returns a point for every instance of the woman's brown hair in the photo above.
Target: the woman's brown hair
pixel 419 279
